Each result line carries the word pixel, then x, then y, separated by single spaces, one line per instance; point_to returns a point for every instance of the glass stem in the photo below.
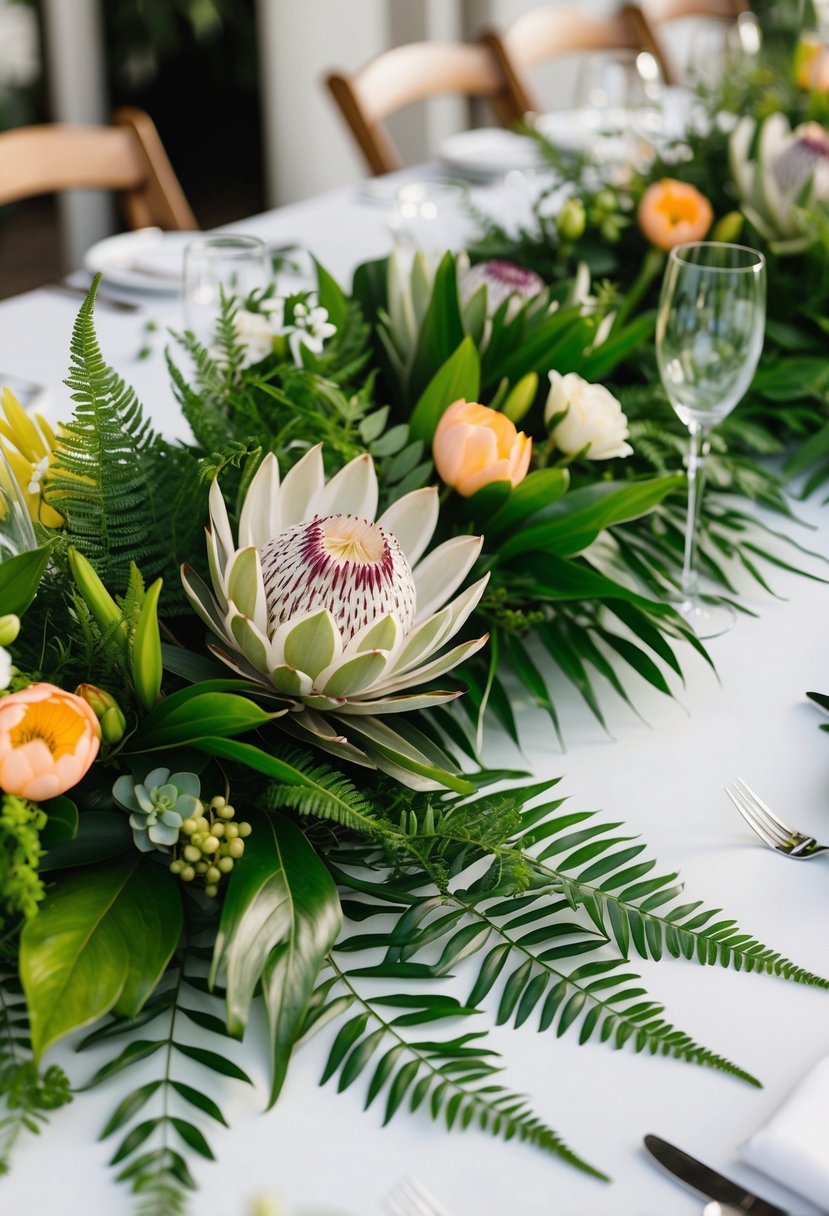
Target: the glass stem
pixel 696 471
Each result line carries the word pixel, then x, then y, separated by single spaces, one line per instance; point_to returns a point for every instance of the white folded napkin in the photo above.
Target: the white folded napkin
pixel 793 1146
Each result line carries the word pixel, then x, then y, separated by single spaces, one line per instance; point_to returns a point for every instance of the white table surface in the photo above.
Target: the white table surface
pixel 663 777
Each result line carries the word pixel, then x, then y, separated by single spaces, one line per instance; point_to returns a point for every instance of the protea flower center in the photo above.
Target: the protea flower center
pixel 503 279
pixel 806 157
pixel 352 567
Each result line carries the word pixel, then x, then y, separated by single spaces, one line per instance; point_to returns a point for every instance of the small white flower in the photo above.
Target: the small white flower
pixel 38 470
pixel 254 334
pixel 5 668
pixel 593 423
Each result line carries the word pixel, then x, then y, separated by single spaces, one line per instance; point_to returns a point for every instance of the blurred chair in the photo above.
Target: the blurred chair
pixel 552 32
pixel 663 13
pixel 408 74
pixel 127 158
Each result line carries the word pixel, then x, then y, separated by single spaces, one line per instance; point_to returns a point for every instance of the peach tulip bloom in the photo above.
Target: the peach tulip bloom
pixel 475 445
pixel 673 213
pixel 48 740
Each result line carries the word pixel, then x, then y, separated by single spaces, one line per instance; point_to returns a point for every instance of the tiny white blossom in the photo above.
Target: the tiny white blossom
pixel 254 334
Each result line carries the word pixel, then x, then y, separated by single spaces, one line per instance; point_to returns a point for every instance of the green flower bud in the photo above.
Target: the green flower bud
pixel 189 827
pixel 209 845
pixel 218 830
pixel 9 628
pixel 213 874
pixel 146 650
pixel 236 848
pixel 571 220
pixel 217 803
pixel 201 867
pixel 106 709
pixel 245 829
pixel 225 864
pixel 231 830
pixel 191 853
pixel 176 867
pixel 606 201
pixel 188 874
pixel 212 890
pixel 729 228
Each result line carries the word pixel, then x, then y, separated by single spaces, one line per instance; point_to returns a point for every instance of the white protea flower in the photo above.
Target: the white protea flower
pixel 336 612
pixel 780 173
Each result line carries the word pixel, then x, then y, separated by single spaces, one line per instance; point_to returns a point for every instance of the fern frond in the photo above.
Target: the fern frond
pixel 329 796
pixel 451 1078
pixel 99 481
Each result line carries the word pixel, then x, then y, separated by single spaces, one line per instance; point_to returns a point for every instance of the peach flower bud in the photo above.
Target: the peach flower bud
pixel 475 445
pixel 48 740
pixel 673 213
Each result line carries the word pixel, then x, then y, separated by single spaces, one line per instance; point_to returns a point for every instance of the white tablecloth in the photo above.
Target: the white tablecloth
pixel 663 777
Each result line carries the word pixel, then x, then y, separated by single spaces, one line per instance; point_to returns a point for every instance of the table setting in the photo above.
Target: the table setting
pixel 413 656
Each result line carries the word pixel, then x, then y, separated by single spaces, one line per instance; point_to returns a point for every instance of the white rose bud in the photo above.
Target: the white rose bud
pixel 593 422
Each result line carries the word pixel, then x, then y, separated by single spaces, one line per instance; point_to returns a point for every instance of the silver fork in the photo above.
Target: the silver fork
pixel 410 1198
pixel 771 829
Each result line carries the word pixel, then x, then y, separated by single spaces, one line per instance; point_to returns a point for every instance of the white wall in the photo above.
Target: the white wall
pixel 307 146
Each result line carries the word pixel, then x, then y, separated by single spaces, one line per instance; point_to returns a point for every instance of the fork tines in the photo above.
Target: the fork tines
pixel 410 1198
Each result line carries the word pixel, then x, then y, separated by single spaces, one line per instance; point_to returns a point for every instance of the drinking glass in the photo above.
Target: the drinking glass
pixel 709 335
pixel 621 96
pixel 16 531
pixel 432 216
pixel 216 266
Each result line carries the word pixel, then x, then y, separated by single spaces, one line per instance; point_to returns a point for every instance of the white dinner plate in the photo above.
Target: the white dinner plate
pixel 488 152
pixel 145 260
pixel 570 131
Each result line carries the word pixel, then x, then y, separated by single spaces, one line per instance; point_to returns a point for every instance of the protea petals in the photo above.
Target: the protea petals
pixel 330 608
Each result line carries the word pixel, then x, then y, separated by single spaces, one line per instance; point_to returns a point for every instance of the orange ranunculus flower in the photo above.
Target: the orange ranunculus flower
pixel 673 213
pixel 475 445
pixel 48 740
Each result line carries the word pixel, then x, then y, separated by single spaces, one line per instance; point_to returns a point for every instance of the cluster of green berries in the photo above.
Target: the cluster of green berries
pixel 209 845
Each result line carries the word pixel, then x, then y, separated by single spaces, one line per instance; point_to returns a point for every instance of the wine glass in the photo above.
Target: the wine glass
pixel 709 335
pixel 432 216
pixel 221 266
pixel 621 98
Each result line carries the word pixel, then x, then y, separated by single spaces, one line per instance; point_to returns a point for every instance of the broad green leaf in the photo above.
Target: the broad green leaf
pixel 331 296
pixel 458 378
pixel 205 714
pixel 61 823
pixel 100 941
pixel 100 834
pixel 538 490
pixel 441 332
pixel 19 579
pixel 601 362
pixel 280 918
pixel 574 521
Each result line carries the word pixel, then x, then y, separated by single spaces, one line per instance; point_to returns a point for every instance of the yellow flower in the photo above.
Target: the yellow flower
pixel 28 445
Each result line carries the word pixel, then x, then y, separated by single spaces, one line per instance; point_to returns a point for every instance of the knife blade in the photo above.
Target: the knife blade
pixel 708 1182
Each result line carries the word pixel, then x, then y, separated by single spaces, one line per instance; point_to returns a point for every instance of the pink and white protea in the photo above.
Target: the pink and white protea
pixel 503 281
pixel 780 173
pixel 334 610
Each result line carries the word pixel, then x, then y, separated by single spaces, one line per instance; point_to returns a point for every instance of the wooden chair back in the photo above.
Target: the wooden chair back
pixel 408 74
pixel 127 158
pixel 661 11
pixel 554 31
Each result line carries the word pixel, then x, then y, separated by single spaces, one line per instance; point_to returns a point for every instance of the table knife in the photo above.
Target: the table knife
pixel 708 1182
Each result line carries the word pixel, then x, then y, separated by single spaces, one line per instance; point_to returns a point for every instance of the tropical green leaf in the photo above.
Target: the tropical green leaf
pixel 100 941
pixel 20 578
pixel 280 918
pixel 459 377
